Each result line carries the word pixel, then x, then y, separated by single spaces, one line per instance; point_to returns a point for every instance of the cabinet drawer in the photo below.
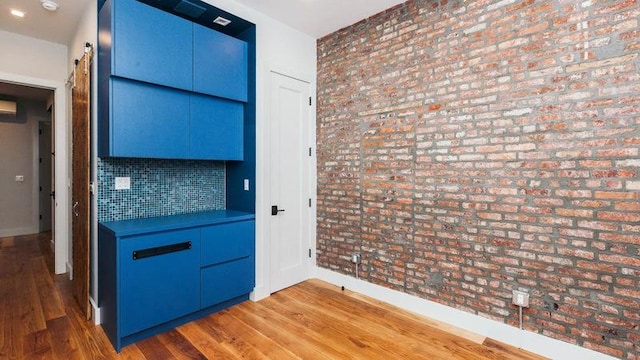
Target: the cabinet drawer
pixel 226 242
pixel 159 279
pixel 226 281
pixel 152 45
pixel 148 121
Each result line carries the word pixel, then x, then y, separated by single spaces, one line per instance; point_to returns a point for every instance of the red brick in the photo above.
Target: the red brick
pixel 476 143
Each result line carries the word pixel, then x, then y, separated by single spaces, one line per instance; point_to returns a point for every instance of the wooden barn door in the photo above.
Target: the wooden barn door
pixel 81 169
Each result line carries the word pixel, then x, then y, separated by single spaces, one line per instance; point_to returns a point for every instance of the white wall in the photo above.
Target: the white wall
pixel 19 201
pixel 42 64
pixel 32 57
pixel 279 47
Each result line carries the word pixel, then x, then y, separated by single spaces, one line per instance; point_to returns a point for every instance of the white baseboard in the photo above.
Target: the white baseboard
pixel 259 293
pixel 70 270
pixel 18 231
pixel 95 312
pixel 536 343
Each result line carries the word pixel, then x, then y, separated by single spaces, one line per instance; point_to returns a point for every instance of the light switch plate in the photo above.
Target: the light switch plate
pixel 123 183
pixel 19 178
pixel 246 184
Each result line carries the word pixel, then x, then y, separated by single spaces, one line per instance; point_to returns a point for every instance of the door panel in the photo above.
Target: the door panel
pixel 81 168
pixel 289 181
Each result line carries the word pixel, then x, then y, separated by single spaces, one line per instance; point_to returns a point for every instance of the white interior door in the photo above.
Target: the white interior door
pixel 289 181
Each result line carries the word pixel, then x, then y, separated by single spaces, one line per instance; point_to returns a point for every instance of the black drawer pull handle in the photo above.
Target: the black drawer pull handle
pixel 161 250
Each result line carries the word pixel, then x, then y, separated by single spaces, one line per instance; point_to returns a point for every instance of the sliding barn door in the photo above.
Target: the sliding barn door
pixel 81 165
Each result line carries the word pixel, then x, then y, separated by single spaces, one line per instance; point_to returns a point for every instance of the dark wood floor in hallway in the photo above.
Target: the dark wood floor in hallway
pixel 40 320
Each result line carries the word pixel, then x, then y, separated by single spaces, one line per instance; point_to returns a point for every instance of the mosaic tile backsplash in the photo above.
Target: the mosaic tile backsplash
pixel 159 188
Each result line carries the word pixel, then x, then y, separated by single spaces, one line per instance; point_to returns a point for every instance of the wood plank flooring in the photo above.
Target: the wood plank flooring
pixel 39 319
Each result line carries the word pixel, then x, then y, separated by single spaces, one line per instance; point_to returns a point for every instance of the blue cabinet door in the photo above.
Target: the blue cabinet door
pixel 148 121
pixel 219 64
pixel 216 128
pixel 160 279
pixel 151 45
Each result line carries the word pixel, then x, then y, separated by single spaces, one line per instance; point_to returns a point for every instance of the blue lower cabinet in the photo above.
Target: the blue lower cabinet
pixel 226 281
pixel 156 266
pixel 152 277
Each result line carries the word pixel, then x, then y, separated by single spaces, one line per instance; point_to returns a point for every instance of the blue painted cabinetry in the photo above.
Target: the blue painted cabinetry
pixel 158 273
pixel 216 128
pixel 162 284
pixel 149 45
pixel 219 64
pixel 168 88
pixel 150 121
pixel 221 257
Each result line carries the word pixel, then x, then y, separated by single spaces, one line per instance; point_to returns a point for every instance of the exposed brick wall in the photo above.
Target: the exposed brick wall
pixel 466 148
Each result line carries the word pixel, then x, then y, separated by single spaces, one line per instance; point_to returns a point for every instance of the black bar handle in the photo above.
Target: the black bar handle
pixel 161 250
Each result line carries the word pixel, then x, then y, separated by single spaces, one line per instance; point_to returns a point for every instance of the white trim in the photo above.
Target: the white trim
pixel 61 227
pixel 539 344
pixel 95 313
pixel 69 271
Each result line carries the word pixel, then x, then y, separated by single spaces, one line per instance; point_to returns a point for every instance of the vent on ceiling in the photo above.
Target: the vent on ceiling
pixel 222 21
pixel 189 9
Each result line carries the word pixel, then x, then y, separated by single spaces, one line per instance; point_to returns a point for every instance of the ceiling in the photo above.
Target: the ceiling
pixel 320 17
pixel 316 18
pixel 58 27
pixel 24 92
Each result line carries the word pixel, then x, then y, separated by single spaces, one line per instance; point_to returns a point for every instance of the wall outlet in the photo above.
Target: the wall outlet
pixel 521 297
pixel 123 183
pixel 356 258
pixel 19 178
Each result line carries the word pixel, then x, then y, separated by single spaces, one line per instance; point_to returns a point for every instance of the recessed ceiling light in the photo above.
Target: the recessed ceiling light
pixel 17 13
pixel 222 21
pixel 49 5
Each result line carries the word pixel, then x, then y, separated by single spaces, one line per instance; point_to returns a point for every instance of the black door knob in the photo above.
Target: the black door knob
pixel 274 210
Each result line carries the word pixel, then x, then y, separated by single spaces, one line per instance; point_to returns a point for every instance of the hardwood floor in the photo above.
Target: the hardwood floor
pixel 39 319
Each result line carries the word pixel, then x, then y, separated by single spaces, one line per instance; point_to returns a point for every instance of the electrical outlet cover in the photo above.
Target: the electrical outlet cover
pixel 520 298
pixel 123 183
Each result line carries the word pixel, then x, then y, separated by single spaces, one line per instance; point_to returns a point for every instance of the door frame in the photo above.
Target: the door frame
pixel 61 163
pixel 263 181
pixel 41 193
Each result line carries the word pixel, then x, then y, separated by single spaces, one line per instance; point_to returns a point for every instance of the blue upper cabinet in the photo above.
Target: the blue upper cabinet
pixel 168 88
pixel 216 128
pixel 151 45
pixel 148 121
pixel 219 64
